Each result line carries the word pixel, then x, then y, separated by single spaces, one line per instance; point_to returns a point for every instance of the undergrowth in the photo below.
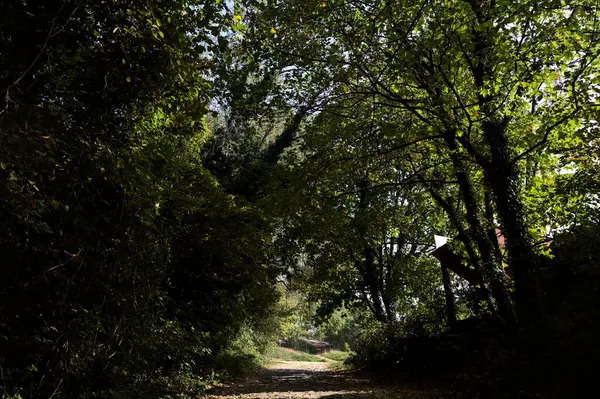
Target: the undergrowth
pixel 338 356
pixel 292 355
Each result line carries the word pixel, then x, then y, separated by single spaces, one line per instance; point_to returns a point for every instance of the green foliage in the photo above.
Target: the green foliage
pixel 243 353
pixel 295 316
pixel 341 328
pixel 474 106
pixel 127 271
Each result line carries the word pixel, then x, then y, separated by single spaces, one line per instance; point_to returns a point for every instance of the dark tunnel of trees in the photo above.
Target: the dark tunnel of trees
pixel 184 182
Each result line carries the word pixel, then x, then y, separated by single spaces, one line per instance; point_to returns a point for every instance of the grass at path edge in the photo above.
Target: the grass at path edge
pixel 292 355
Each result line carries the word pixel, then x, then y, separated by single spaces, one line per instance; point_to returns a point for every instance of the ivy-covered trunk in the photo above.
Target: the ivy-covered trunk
pixel 491 270
pixel 523 259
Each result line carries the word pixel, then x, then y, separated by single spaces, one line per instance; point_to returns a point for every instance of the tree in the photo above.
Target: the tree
pixel 484 84
pixel 354 221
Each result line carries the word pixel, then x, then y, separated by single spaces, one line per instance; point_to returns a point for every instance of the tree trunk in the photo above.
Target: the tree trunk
pixel 366 265
pixel 523 259
pixel 501 172
pixel 450 305
pixel 491 270
pixel 286 138
pixel 491 224
pixel 467 241
pixel 371 280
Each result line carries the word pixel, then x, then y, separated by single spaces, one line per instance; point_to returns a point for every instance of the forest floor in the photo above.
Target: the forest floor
pixel 311 380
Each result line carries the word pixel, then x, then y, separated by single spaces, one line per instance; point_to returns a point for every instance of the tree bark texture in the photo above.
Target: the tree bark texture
pixel 450 304
pixel 523 259
pixel 491 270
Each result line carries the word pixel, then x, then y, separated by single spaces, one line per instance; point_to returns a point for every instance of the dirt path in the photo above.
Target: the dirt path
pixel 308 380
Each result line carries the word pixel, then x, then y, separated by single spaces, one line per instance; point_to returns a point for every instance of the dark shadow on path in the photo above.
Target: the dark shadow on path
pixel 322 384
pixel 349 396
pixel 301 380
